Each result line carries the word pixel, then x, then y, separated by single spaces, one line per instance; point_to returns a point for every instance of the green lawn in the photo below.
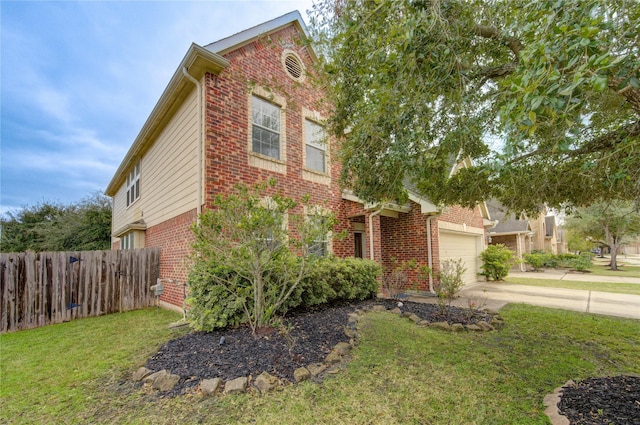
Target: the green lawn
pixel 620 288
pixel 78 372
pixel 626 271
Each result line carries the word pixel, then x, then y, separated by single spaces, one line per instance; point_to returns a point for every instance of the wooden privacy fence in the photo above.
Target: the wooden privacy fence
pixel 38 289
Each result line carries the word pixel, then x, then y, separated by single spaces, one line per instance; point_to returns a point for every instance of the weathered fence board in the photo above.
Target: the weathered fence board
pixel 38 289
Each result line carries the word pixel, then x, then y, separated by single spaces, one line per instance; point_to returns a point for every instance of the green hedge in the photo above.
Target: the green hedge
pixel 328 279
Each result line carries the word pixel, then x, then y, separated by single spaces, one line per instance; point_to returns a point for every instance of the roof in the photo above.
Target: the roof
pixel 244 37
pixel 196 62
pixel 507 222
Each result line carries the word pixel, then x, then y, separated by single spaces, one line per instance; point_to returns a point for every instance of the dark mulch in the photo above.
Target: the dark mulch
pixel 305 338
pixel 602 401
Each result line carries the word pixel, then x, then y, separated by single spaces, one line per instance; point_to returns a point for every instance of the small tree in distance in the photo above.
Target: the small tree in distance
pixel 246 236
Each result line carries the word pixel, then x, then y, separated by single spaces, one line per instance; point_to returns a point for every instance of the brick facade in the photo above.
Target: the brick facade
pixel 257 68
pixel 175 238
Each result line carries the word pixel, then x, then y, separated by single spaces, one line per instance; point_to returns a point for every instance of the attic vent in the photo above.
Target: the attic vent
pixel 293 65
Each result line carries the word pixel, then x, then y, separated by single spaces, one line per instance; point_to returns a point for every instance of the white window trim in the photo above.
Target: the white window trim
pixel 133 179
pixel 307 173
pixel 310 211
pixel 263 161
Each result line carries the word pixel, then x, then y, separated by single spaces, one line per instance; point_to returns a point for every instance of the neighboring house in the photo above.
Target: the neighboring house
pixel 523 234
pixel 243 110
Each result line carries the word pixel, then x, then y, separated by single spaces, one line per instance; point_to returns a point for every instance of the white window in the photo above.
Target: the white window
pixel 320 246
pixel 133 184
pixel 127 241
pixel 265 119
pixel 315 146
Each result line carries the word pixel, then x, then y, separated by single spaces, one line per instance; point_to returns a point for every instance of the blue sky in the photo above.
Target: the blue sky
pixel 79 79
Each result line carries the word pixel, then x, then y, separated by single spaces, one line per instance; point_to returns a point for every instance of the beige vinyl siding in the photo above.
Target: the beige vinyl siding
pixel 169 172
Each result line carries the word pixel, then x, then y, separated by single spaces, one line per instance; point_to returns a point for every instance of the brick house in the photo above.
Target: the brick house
pixel 523 234
pixel 243 110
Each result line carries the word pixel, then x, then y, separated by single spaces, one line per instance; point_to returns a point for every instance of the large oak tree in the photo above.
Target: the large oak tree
pixel 543 96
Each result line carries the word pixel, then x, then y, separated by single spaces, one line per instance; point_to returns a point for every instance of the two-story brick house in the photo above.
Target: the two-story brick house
pixel 244 110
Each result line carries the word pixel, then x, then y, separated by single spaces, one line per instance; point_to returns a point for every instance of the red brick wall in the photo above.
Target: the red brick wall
pixel 461 215
pixel 174 238
pixel 228 117
pixel 405 239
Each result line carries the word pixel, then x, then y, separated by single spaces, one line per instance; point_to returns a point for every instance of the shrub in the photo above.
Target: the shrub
pixel 582 262
pixel 566 260
pixel 216 305
pixel 331 279
pixel 536 260
pixel 213 305
pixel 497 261
pixel 450 282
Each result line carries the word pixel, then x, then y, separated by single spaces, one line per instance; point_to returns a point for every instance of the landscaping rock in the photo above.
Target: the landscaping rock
pixel 301 374
pixel 333 357
pixel 457 327
pixel 342 348
pixel 396 311
pixel 353 318
pixel 423 323
pixel 163 380
pixel 474 328
pixel 141 373
pixel 485 326
pixel 414 318
pixel 210 386
pixel 265 382
pixel 238 385
pixel 379 307
pixel 316 368
pixel 406 314
pixel 440 325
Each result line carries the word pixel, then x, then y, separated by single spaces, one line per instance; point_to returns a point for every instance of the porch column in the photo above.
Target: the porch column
pixel 374 238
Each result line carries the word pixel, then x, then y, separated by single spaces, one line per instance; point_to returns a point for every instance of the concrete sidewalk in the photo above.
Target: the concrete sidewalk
pixel 494 295
pixel 581 277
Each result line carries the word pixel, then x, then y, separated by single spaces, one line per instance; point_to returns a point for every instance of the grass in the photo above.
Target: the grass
pixel 52 372
pixel 625 271
pixel 400 373
pixel 617 287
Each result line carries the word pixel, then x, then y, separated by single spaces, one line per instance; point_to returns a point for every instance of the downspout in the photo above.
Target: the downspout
pixel 200 140
pixel 430 253
pixel 371 247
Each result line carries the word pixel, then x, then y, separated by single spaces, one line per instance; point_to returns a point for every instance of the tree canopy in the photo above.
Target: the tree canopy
pixel 50 226
pixel 543 96
pixel 609 224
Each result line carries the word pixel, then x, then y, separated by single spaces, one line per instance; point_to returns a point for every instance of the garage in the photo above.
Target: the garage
pixel 454 245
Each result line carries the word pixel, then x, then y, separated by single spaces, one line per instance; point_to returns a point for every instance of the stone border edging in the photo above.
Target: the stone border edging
pixel 551 403
pixel 334 362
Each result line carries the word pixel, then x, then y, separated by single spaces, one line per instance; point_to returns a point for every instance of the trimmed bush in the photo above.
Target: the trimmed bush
pixel 327 279
pixel 497 261
pixel 536 260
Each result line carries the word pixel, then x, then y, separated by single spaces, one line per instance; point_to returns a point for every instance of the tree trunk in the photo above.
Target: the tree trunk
pixel 614 244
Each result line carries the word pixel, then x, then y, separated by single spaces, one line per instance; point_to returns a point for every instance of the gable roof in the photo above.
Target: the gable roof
pixel 242 38
pixel 196 62
pixel 507 222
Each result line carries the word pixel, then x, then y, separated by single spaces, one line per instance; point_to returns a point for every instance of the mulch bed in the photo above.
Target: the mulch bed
pixel 305 338
pixel 602 401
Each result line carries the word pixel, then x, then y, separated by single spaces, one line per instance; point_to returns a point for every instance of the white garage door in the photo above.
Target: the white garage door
pixel 465 246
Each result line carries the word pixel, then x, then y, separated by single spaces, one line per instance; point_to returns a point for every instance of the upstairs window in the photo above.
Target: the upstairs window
pixel 315 146
pixel 265 118
pixel 133 184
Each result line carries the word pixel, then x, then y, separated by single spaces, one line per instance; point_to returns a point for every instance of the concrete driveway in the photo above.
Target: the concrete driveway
pixel 494 295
